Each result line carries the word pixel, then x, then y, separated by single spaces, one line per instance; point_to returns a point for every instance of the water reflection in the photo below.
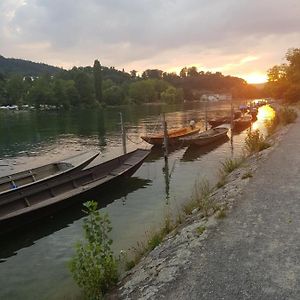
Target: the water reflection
pixel 134 207
pixel 265 114
pixel 194 152
pixel 167 177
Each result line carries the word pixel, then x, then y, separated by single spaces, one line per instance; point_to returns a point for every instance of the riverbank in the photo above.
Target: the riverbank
pixel 175 267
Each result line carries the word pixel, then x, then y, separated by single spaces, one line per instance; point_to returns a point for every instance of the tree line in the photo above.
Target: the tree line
pixel 98 85
pixel 284 79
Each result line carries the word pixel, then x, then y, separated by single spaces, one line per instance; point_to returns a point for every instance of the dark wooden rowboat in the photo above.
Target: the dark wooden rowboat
pixel 46 196
pixel 173 136
pixel 12 182
pixel 205 137
pixel 223 120
pixel 242 123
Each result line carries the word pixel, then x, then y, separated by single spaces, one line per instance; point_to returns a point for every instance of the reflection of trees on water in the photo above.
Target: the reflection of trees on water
pixel 167 176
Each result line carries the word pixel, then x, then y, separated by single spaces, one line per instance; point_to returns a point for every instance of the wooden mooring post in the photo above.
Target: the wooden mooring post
pixel 123 134
pixel 165 144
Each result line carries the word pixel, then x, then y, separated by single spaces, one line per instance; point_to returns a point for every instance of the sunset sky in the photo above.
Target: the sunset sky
pixel 236 37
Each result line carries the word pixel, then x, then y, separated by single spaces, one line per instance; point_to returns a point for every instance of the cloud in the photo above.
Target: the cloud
pixel 233 36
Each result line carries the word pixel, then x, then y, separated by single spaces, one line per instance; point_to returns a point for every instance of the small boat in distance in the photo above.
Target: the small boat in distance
pixel 44 197
pixel 206 137
pixel 173 136
pixel 242 123
pixel 13 182
pixel 223 120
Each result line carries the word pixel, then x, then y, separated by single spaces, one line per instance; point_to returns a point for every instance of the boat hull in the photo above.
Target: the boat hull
pixel 173 136
pixel 206 137
pixel 55 196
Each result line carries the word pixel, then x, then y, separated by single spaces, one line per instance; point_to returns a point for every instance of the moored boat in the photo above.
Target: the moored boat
pixel 205 137
pixel 223 120
pixel 173 136
pixel 242 123
pixel 46 196
pixel 13 182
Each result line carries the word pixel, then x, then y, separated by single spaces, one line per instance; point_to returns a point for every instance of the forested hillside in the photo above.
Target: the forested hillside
pixel 25 82
pixel 25 67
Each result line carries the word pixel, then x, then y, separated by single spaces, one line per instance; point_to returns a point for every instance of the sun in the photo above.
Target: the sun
pixel 256 78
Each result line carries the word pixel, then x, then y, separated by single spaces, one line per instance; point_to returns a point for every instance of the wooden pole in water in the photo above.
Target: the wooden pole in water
pixel 123 134
pixel 165 144
pixel 231 114
pixel 231 125
pixel 206 115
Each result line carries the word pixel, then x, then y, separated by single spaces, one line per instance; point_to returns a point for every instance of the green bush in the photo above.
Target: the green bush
pixel 93 266
pixel 255 142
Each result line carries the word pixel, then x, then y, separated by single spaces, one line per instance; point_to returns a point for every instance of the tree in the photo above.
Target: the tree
pixel 98 80
pixel 41 92
pixel 15 89
pixel 192 71
pixel 152 74
pixel 133 74
pixel 172 95
pixel 142 91
pixel 284 80
pixel 113 95
pixel 84 87
pixel 183 72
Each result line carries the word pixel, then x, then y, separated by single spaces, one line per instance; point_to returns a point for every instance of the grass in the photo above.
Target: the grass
pixel 201 196
pixel 230 164
pixel 154 238
pixel 248 174
pixel 255 142
pixel 221 213
pixel 200 229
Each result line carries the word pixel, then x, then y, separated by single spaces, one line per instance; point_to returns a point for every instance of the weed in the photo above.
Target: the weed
pixel 255 142
pixel 201 196
pixel 222 179
pixel 200 229
pixel 129 264
pixel 221 213
pixel 248 174
pixel 189 206
pixel 230 164
pixel 93 266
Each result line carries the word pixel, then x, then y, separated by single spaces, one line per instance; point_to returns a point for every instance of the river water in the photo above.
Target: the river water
pixel 33 263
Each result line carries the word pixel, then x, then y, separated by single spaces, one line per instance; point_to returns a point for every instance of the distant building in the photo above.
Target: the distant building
pixel 216 97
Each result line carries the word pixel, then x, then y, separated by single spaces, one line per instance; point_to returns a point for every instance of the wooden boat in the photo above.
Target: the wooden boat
pixel 46 196
pixel 223 120
pixel 173 136
pixel 205 137
pixel 13 182
pixel 242 123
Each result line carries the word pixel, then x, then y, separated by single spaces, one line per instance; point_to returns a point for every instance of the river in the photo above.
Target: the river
pixel 33 263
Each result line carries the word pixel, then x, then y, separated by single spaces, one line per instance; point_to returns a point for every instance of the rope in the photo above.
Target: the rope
pixel 132 141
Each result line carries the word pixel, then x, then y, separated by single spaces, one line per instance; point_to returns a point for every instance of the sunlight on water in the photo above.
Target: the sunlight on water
pixel 265 113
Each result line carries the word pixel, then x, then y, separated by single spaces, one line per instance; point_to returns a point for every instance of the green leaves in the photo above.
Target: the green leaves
pixel 93 266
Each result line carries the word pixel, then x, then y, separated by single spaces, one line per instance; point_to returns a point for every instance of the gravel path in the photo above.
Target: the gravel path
pixel 255 253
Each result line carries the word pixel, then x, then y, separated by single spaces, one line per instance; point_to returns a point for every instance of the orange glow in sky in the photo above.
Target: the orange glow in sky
pixel 255 78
